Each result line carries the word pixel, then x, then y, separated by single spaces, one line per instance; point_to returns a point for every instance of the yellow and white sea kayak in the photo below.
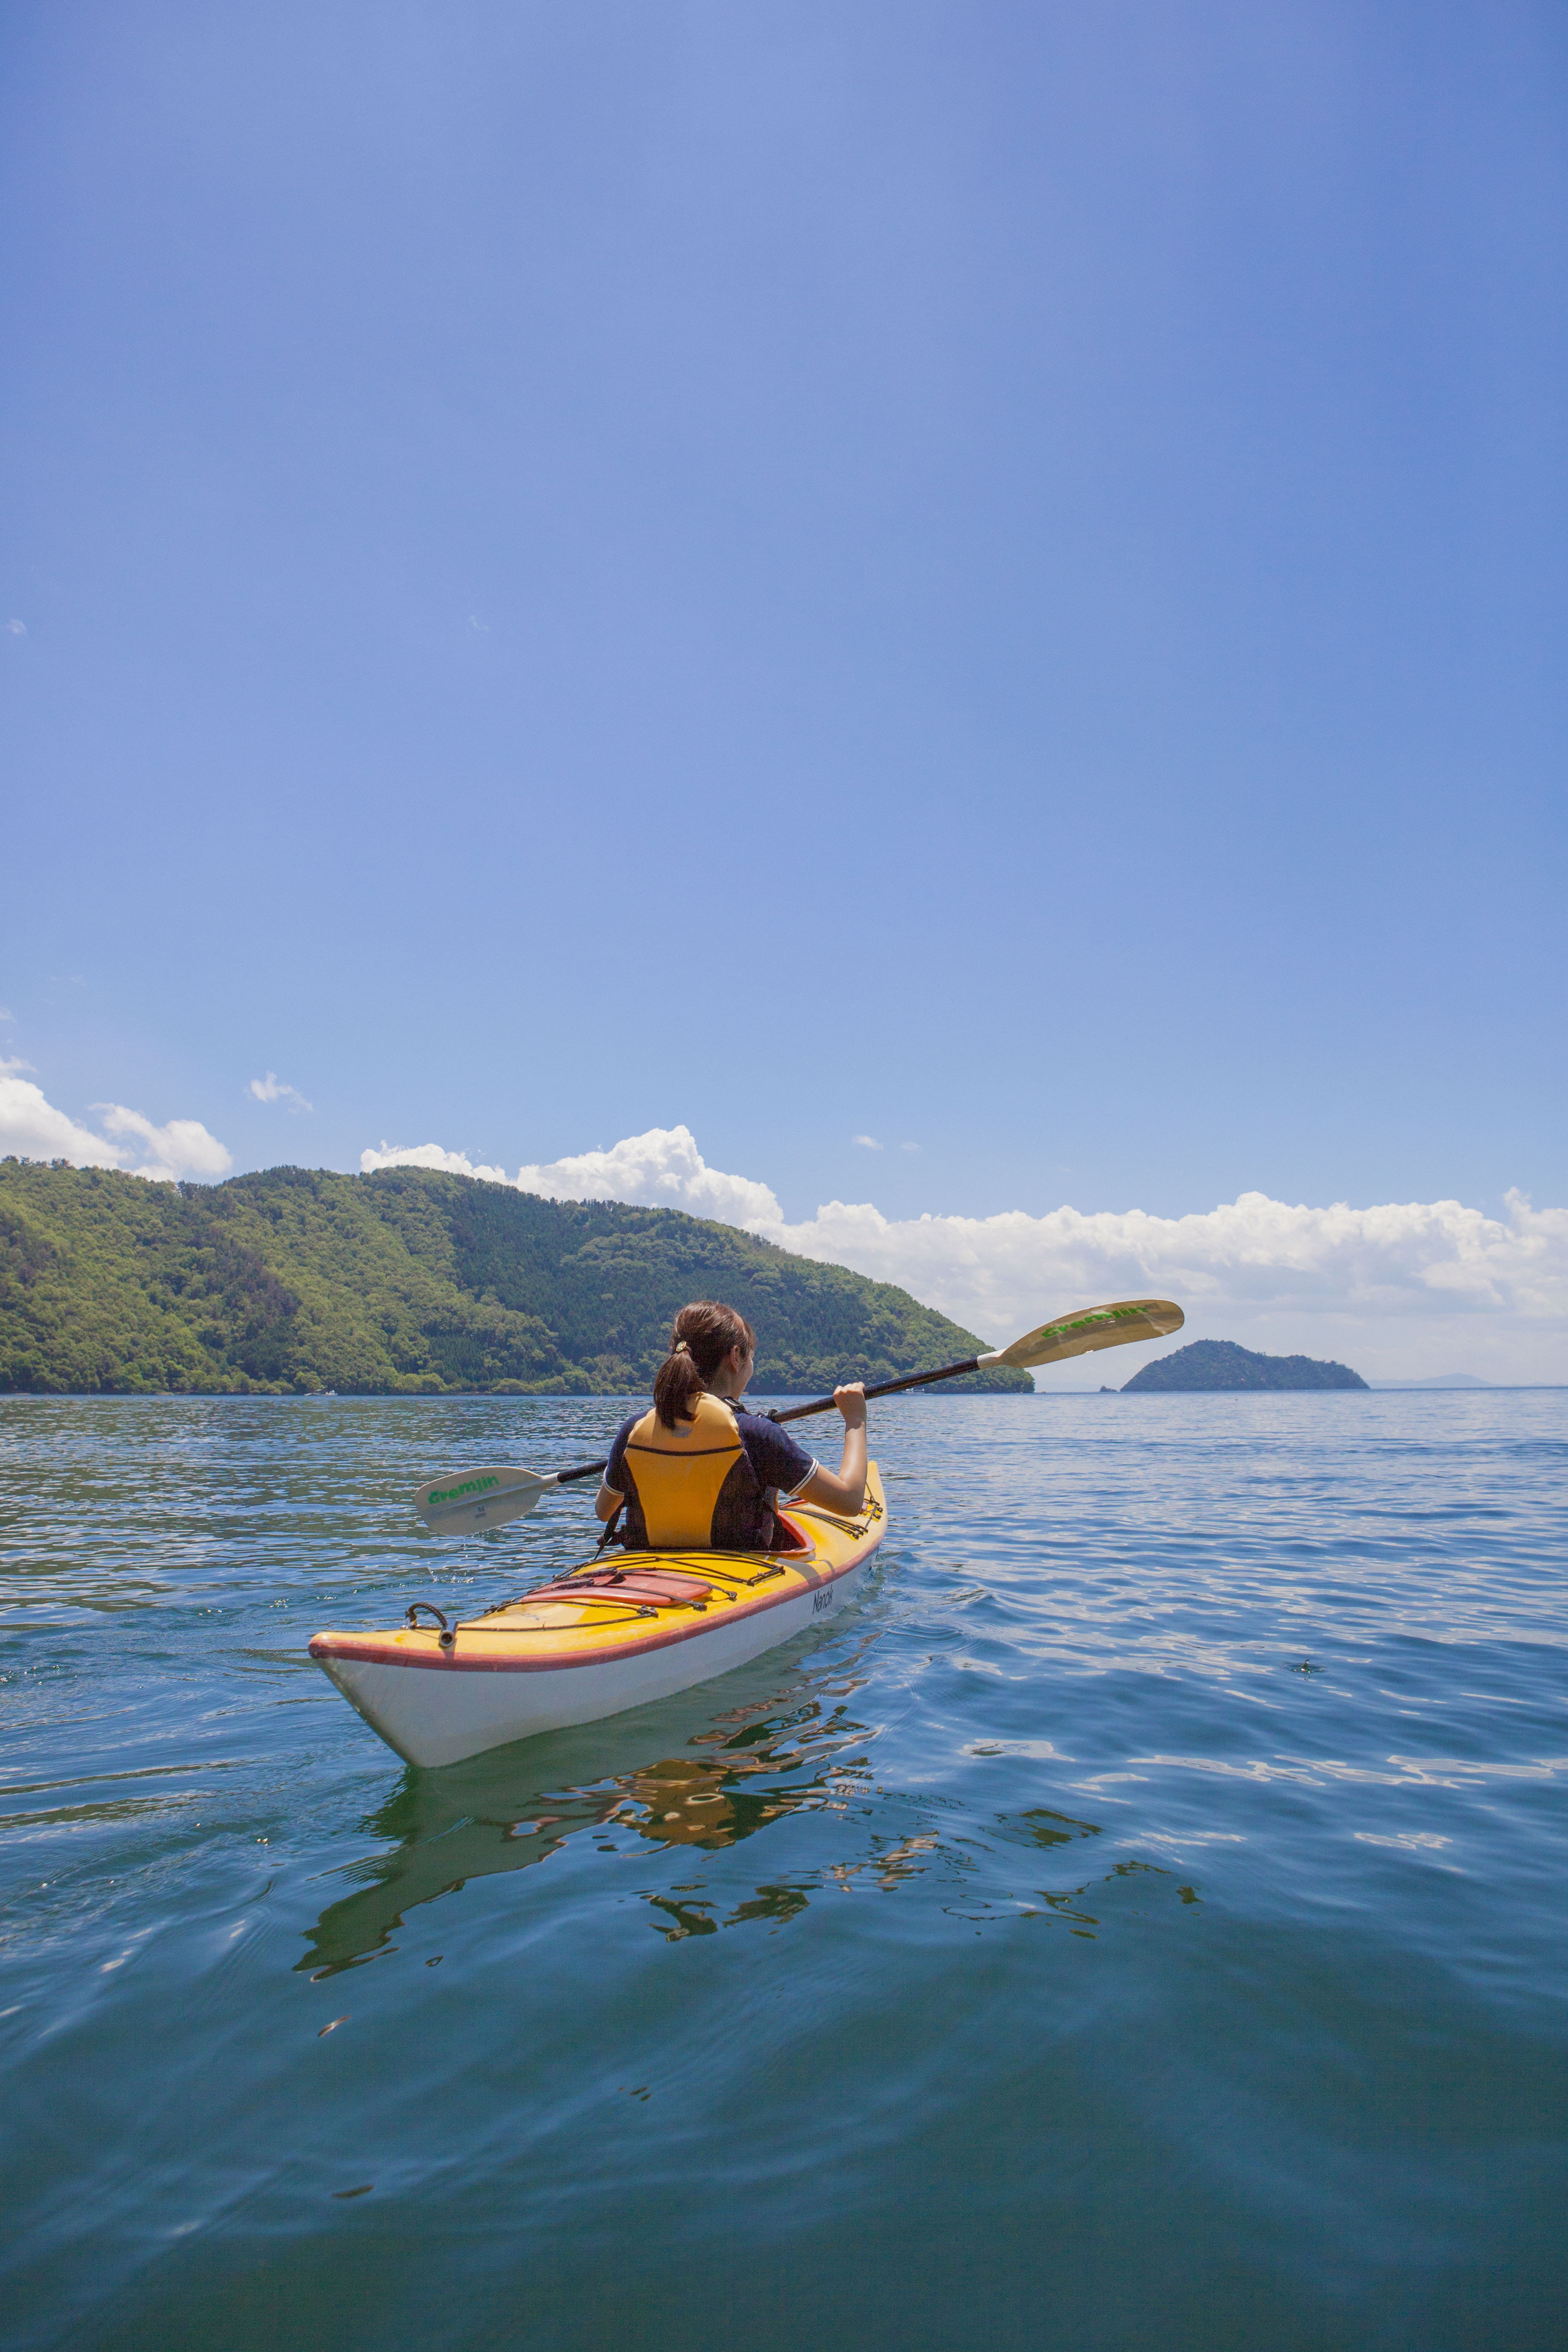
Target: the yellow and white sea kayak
pixel 615 1633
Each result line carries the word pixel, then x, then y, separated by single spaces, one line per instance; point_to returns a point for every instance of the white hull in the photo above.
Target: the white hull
pixel 444 1710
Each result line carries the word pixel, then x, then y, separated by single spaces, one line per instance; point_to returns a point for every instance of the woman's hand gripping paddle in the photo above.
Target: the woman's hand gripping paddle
pixel 466 1502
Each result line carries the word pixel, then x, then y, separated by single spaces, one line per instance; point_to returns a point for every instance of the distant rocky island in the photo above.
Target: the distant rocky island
pixel 1221 1364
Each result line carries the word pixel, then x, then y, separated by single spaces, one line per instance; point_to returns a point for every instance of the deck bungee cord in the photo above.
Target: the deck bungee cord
pixel 641 1595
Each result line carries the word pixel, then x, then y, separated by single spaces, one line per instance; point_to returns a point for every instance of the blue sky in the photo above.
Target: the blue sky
pixel 990 577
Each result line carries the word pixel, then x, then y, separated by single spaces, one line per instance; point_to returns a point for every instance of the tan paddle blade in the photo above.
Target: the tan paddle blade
pixel 464 1502
pixel 1091 1327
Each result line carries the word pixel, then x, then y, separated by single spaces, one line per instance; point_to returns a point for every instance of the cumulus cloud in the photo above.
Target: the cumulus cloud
pixel 1401 1290
pixel 272 1089
pixel 661 1170
pixel 866 1142
pixel 182 1147
pixel 32 1128
pixel 427 1155
pixel 1402 1281
pixel 16 628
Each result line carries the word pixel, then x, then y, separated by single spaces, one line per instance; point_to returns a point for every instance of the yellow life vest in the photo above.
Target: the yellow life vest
pixel 680 1473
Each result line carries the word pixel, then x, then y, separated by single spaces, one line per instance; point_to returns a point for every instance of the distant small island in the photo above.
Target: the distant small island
pixel 1221 1364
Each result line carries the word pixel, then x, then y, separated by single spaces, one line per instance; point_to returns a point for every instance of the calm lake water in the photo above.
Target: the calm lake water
pixel 1138 1922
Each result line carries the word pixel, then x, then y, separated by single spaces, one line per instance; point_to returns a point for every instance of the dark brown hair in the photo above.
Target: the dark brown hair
pixel 709 1331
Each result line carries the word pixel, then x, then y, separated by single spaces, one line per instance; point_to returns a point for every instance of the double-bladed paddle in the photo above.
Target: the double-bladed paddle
pixel 466 1502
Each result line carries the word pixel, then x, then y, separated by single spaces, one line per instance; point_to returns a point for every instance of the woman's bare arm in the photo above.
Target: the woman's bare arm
pixel 846 1492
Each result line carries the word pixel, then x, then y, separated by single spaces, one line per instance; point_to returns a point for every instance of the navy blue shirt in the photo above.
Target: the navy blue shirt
pixel 742 1523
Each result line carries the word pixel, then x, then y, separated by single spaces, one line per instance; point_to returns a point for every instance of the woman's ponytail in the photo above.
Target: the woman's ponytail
pixel 676 1385
pixel 704 1335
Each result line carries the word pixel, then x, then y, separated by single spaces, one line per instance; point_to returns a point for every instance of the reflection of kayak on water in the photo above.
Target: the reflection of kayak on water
pixel 600 1639
pixel 773 1755
pixel 792 1743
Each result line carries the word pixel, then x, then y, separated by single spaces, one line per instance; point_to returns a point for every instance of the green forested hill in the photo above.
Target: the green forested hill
pixel 1222 1364
pixel 408 1281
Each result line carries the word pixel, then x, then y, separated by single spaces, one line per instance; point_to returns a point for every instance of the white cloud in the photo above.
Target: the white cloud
pixel 182 1147
pixel 1394 1288
pixel 426 1155
pixel 866 1142
pixel 32 1128
pixel 271 1089
pixel 16 628
pixel 1405 1289
pixel 662 1170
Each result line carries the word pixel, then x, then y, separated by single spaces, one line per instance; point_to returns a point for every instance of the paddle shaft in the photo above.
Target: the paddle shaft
pixel 584 1470
pixel 885 1387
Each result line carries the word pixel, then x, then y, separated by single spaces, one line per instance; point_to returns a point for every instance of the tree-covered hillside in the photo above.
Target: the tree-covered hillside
pixel 408 1281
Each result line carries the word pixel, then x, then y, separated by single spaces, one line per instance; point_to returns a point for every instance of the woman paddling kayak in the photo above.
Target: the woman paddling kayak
pixel 698 1473
pixel 721 1568
pixel 740 1541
